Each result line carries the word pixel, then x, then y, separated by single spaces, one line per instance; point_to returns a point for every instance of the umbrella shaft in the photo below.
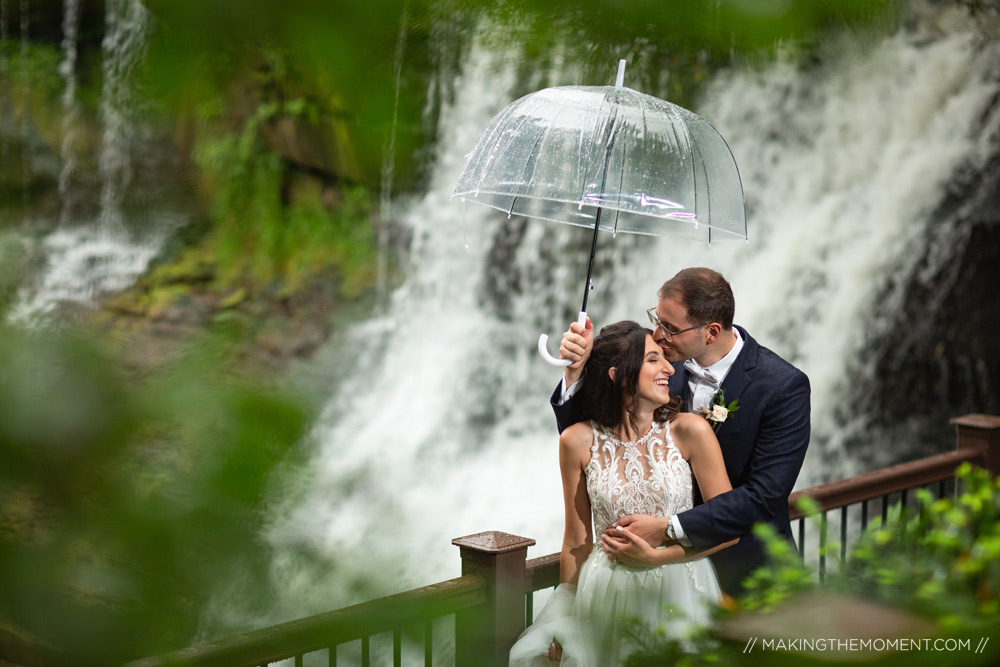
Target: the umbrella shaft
pixel 590 267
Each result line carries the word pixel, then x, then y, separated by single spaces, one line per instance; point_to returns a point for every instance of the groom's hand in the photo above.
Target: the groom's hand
pixel 576 346
pixel 649 528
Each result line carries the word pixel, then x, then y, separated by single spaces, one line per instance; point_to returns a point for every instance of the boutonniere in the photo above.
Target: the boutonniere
pixel 719 411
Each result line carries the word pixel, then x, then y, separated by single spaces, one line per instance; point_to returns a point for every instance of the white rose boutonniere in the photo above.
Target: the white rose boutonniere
pixel 719 411
pixel 718 414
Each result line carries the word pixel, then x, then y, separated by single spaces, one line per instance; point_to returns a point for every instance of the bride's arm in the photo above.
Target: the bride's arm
pixel 694 438
pixel 634 551
pixel 578 538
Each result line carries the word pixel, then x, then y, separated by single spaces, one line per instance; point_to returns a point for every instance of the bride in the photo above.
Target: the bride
pixel 636 457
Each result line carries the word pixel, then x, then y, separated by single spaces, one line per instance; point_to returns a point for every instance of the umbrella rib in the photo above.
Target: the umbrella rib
pixel 694 173
pixel 645 133
pixel 608 148
pixel 509 112
pixel 621 181
pixel 582 173
pixel 690 146
pixel 590 153
pixel 535 151
pixel 610 132
pixel 499 147
pixel 708 204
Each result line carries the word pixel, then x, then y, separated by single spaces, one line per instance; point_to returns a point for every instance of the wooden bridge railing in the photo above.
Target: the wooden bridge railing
pixel 977 442
pixel 493 599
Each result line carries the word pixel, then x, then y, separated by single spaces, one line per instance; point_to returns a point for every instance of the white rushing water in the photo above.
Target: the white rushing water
pixel 440 425
pixel 71 109
pixel 86 257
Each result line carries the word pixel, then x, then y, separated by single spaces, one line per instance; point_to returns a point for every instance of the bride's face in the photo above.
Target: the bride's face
pixel 654 375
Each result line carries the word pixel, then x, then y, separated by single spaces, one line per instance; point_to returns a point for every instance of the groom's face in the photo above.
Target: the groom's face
pixel 681 346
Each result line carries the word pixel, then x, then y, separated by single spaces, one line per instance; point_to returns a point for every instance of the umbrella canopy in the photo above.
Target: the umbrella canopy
pixel 608 158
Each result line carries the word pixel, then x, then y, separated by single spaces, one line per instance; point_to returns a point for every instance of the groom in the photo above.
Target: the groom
pixel 763 442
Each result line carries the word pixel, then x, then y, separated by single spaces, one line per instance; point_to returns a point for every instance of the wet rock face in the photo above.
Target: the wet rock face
pixel 45 20
pixel 941 359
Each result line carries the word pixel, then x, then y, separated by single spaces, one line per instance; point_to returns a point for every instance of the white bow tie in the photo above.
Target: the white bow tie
pixel 702 373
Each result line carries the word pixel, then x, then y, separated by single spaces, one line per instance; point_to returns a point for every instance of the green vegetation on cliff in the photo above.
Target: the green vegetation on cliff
pixel 292 107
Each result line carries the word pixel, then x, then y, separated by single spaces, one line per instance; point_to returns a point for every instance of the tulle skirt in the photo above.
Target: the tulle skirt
pixel 589 623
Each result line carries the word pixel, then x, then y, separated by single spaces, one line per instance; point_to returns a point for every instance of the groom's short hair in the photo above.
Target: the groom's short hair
pixel 704 293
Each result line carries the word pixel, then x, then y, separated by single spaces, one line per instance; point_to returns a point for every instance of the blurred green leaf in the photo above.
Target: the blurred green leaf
pixel 122 504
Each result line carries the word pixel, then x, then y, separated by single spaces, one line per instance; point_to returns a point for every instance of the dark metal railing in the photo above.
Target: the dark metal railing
pixel 493 600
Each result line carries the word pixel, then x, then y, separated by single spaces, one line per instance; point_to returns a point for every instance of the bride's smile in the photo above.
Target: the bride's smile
pixel 654 375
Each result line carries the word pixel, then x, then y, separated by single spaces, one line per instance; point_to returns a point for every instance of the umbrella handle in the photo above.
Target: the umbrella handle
pixel 543 349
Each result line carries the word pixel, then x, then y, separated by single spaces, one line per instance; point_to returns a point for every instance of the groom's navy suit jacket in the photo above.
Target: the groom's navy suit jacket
pixel 763 444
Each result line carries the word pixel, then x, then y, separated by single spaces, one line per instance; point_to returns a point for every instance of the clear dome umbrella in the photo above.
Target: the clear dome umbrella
pixel 607 158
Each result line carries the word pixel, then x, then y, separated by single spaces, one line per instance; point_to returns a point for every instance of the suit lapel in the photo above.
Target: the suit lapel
pixel 738 378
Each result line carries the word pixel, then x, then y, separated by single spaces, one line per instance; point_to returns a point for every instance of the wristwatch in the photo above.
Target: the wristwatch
pixel 670 534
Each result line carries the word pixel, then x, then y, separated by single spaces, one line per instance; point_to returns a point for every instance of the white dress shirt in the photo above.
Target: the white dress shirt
pixel 701 392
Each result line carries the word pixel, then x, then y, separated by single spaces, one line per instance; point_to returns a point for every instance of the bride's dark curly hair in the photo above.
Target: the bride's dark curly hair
pixel 622 346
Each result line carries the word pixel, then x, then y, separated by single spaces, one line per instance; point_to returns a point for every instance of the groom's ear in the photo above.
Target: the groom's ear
pixel 714 330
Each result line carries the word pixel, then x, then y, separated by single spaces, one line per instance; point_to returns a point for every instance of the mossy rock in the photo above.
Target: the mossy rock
pixel 195 266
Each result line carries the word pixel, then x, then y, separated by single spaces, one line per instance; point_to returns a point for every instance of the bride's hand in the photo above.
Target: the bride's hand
pixel 555 651
pixel 648 528
pixel 627 548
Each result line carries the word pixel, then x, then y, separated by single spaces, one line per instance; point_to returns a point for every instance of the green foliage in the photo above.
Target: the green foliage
pixel 939 562
pixel 32 69
pixel 342 239
pixel 785 575
pixel 121 505
pixel 30 91
pixel 14 261
pixel 269 226
pixel 341 59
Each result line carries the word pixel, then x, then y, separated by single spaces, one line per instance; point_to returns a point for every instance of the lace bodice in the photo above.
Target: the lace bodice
pixel 647 476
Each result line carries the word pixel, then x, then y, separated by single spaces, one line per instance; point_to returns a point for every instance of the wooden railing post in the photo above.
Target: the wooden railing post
pixel 981 433
pixel 485 633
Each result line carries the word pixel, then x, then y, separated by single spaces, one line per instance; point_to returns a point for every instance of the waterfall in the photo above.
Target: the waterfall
pixel 388 170
pixel 87 257
pixel 71 109
pixel 439 424
pixel 123 44
pixel 25 88
pixel 4 85
pixel 844 172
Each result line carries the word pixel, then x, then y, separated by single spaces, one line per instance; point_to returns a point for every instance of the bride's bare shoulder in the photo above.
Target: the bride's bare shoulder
pixel 577 438
pixel 690 430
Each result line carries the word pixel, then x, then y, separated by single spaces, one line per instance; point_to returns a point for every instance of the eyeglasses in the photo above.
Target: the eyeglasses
pixel 667 333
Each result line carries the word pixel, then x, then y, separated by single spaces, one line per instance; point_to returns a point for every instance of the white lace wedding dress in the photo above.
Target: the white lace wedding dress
pixel 647 476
